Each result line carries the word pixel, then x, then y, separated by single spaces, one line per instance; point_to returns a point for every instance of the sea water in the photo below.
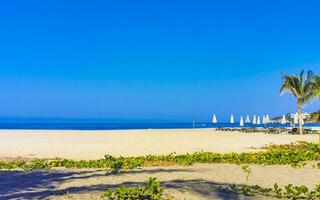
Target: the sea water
pixel 120 125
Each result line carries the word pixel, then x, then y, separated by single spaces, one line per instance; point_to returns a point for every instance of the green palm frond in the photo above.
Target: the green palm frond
pixel 290 84
pixel 314 87
pixel 302 87
pixel 310 76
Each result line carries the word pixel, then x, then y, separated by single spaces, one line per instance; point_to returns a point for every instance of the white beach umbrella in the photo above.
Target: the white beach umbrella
pixel 283 121
pixel 247 119
pixel 263 119
pixel 258 120
pixel 231 119
pixel 254 120
pixel 267 119
pixel 241 121
pixel 214 119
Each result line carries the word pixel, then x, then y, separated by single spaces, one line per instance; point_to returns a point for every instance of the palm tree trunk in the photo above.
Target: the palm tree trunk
pixel 300 119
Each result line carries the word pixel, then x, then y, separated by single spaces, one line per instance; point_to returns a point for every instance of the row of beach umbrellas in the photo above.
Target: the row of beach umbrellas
pixel 255 120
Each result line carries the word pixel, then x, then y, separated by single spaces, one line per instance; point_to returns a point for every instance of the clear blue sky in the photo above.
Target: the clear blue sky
pixel 171 60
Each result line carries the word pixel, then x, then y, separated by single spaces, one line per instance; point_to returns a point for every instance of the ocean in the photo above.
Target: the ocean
pixel 123 125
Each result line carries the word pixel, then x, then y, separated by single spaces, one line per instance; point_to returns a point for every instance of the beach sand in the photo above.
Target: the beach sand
pixel 96 144
pixel 197 182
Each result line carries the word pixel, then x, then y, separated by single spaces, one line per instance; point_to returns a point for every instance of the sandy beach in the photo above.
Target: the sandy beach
pixel 197 182
pixel 96 144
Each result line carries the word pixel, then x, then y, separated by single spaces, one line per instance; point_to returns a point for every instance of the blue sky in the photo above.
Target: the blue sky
pixel 169 60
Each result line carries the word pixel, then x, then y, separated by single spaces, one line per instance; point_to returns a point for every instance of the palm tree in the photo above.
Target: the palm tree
pixel 302 88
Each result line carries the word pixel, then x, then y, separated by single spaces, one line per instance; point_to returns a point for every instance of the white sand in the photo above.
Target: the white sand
pixel 96 144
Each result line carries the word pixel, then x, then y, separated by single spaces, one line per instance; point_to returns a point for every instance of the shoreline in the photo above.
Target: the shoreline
pixel 88 145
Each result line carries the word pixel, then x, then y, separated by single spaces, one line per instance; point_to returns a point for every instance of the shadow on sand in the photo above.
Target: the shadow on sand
pixel 42 184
